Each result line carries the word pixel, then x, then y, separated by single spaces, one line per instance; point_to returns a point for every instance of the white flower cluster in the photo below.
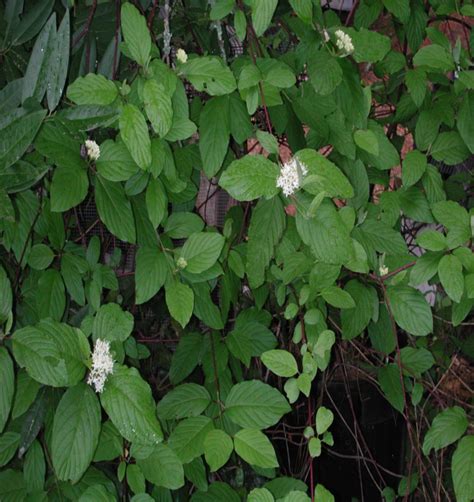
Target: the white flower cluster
pixel 93 149
pixel 383 270
pixel 181 55
pixel 102 365
pixel 291 174
pixel 344 42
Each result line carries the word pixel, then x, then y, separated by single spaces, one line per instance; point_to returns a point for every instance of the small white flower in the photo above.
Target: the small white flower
pixel 383 270
pixel 291 174
pixel 344 42
pixel 182 263
pixel 102 365
pixel 181 55
pixel 93 149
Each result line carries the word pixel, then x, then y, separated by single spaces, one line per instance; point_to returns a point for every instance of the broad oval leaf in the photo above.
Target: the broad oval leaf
pixel 187 400
pixel 410 310
pixel 128 402
pixel 255 448
pixel 254 404
pixel 280 362
pixel 76 432
pixel 218 447
pixel 447 427
pixel 250 177
pixel 53 353
pixel 163 468
pixel 201 251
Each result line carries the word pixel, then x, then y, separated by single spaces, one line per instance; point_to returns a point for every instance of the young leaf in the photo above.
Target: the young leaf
pixel 217 449
pixel 136 34
pixel 280 362
pixel 447 427
pixel 255 448
pixel 180 301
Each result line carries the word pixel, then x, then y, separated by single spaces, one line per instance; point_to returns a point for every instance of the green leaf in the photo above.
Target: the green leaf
pixel 389 379
pixel 214 134
pixel 303 9
pixel 447 427
pixel 209 74
pixel 451 277
pixel 150 273
pixel 187 400
pixel 26 392
pixel 9 442
pixel 115 162
pixel 52 353
pixel 182 225
pixel 40 257
pixel 432 240
pixel 158 107
pixel 134 132
pixel 136 34
pixel 324 72
pixel 6 298
pixel 163 468
pixel 69 188
pixel 156 201
pixel 266 228
pixel 254 404
pixel 324 419
pixel 462 469
pixel 187 440
pixel 337 297
pixel 323 175
pixel 34 468
pixel 115 209
pixel 112 323
pixel 217 492
pixel 36 77
pixel 17 136
pixel 456 219
pixel 186 357
pixel 416 361
pixel 180 301
pixel 434 57
pixel 128 402
pixel 410 310
pixel 417 85
pixel 414 166
pixel 367 140
pixel 370 46
pixel 262 494
pixel 12 486
pixel 450 148
pixel 217 449
pixel 76 431
pixel 280 362
pixel 255 448
pixel 7 387
pixel 250 177
pixel 262 13
pixel 201 251
pixel 51 300
pixel 314 448
pixel 465 122
pixel 355 320
pixel 321 494
pixel 59 64
pixel 268 141
pixel 92 90
pixel 220 9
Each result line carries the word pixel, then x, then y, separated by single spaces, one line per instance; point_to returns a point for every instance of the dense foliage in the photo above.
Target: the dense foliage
pixel 148 355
